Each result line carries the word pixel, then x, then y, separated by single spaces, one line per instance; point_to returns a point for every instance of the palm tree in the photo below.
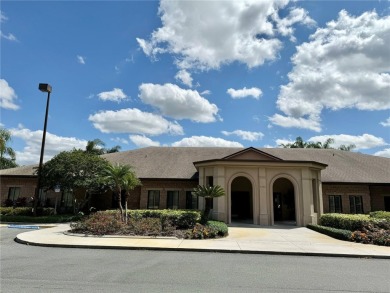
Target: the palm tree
pixel 116 176
pixel 129 183
pixel 95 146
pixel 5 137
pixel 349 147
pixel 114 149
pixel 208 193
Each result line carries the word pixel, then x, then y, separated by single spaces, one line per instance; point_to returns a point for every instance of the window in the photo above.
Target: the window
pixel 67 199
pixel 153 199
pixel 191 201
pixel 335 204
pixel 210 180
pixel 355 204
pixel 387 203
pixel 13 193
pixel 173 199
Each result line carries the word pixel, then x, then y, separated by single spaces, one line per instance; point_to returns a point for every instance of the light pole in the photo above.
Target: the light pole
pixel 46 88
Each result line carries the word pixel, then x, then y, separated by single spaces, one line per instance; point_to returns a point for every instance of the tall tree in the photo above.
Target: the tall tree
pixel 72 170
pixel 7 154
pixel 208 193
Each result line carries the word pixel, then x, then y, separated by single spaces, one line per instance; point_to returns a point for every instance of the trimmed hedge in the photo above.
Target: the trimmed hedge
pixel 220 227
pixel 341 234
pixel 344 221
pixel 380 215
pixel 182 219
pixel 25 211
pixel 41 219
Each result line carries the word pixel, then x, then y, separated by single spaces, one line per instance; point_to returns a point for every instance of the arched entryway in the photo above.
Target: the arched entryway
pixel 241 200
pixel 284 201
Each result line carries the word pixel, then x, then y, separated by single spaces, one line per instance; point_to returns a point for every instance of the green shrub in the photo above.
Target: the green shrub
pixel 182 219
pixel 380 215
pixel 220 227
pixel 212 229
pixel 341 234
pixel 344 221
pixel 25 211
pixel 40 219
pixel 100 223
pixel 200 231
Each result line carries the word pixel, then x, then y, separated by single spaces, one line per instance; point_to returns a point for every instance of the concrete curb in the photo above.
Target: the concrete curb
pixel 200 250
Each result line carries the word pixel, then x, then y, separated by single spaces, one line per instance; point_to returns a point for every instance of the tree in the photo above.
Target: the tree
pixel 72 170
pixel 7 154
pixel 130 182
pixel 118 178
pixel 208 193
pixel 300 143
pixel 97 147
pixel 349 147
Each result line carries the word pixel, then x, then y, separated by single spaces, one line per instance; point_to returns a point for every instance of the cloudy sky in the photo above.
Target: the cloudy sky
pixel 195 73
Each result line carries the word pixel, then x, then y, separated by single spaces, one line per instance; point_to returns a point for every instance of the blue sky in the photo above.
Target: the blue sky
pixel 195 73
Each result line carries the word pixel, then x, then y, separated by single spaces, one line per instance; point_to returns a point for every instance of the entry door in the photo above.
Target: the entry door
pixel 278 211
pixel 387 203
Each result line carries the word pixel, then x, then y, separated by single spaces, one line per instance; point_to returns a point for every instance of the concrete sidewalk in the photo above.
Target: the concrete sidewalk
pixel 245 239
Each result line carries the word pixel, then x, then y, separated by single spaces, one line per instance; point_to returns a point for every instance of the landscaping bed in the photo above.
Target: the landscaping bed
pixel 367 229
pixel 176 223
pixel 25 215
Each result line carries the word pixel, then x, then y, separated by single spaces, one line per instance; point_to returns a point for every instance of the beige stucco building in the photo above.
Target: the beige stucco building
pixel 263 186
pixel 262 189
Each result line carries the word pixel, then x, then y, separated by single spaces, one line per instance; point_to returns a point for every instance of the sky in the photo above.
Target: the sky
pixel 195 73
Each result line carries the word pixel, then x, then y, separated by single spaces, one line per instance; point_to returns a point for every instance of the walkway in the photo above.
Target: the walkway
pixel 244 239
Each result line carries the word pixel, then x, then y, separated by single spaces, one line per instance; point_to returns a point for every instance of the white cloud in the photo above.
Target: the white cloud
pixel 119 140
pixel 53 145
pixel 80 59
pixel 284 141
pixel 116 95
pixel 184 77
pixel 205 141
pixel 383 153
pixel 3 18
pixel 365 141
pixel 133 121
pixel 7 96
pixel 143 141
pixel 344 65
pixel 9 37
pixel 243 93
pixel 296 15
pixel 208 34
pixel 312 122
pixel 245 135
pixel 386 123
pixel 178 103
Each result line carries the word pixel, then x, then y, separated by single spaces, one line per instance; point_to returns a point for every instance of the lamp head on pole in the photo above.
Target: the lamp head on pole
pixel 45 87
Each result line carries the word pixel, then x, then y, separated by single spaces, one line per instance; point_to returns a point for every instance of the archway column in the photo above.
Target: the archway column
pixel 263 217
pixel 220 203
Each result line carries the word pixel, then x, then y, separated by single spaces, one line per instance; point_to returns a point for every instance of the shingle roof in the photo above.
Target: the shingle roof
pixel 177 162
